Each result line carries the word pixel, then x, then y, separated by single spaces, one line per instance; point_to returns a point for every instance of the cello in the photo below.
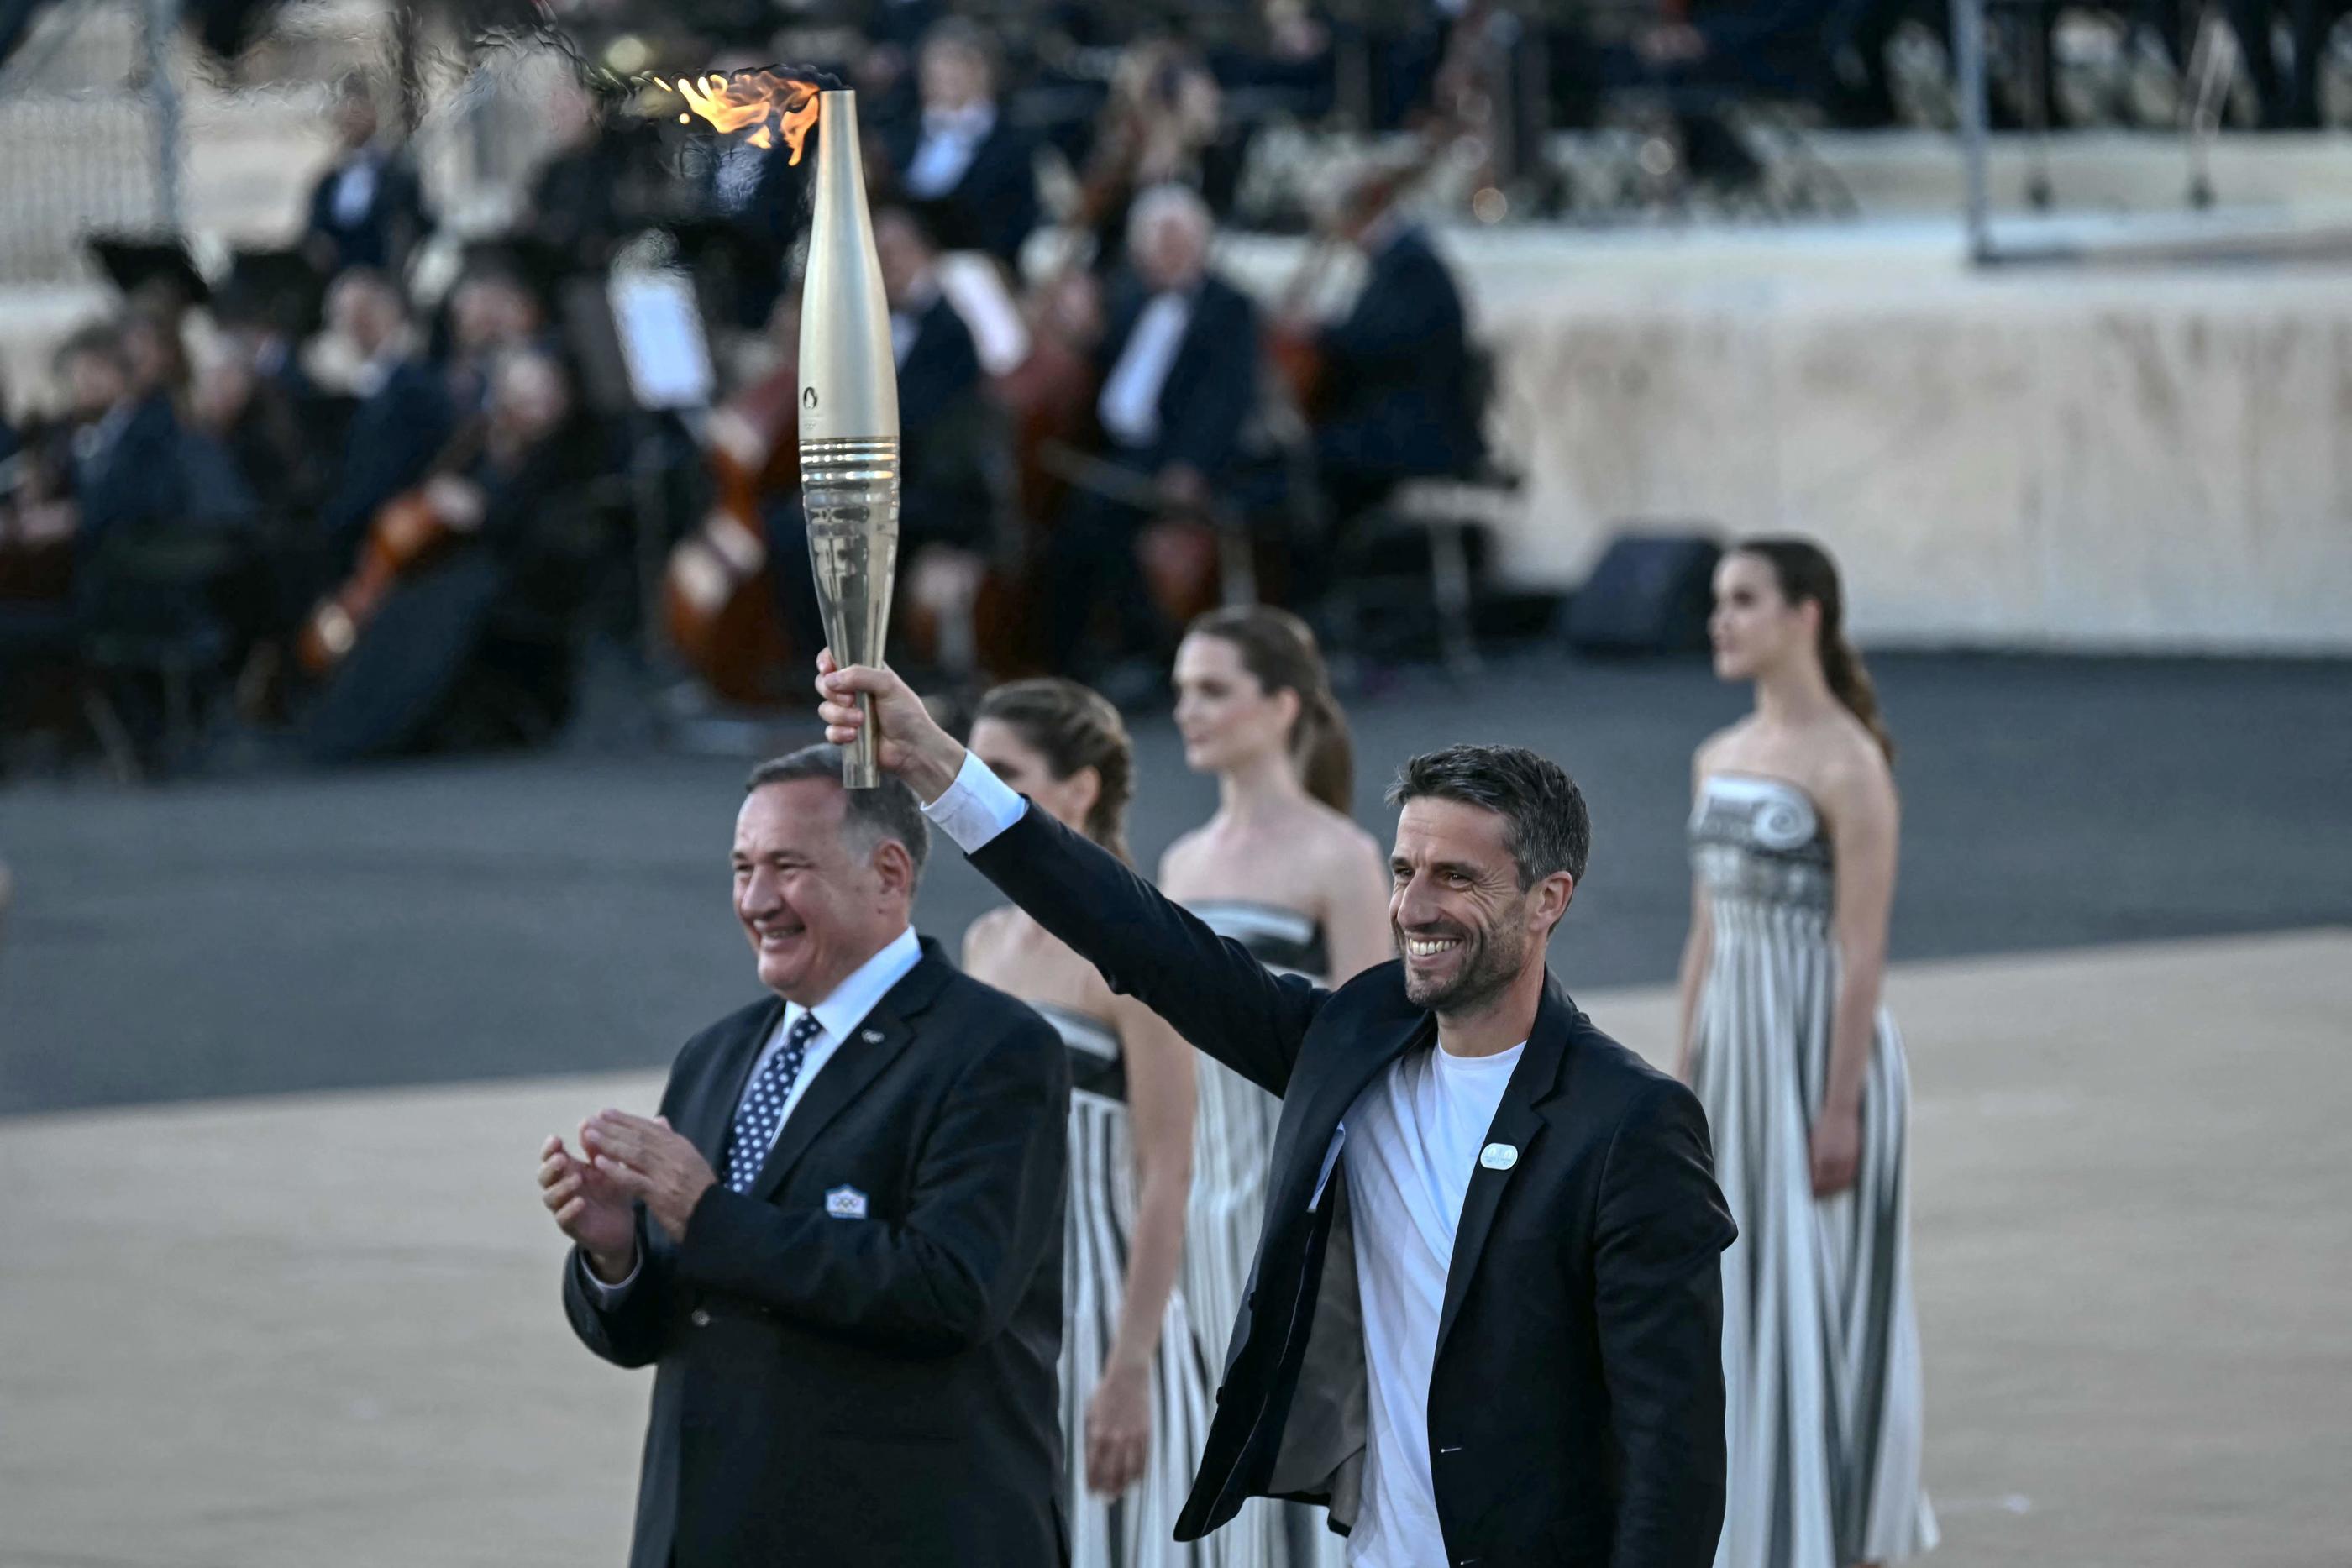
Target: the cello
pixel 718 599
pixel 407 531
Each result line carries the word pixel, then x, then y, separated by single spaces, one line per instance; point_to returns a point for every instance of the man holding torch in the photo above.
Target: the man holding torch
pixel 839 1242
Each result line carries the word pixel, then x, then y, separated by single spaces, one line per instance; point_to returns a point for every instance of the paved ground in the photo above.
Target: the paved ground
pixel 567 912
pixel 323 1328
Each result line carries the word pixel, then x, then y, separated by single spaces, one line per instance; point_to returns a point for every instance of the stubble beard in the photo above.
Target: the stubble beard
pixel 1487 972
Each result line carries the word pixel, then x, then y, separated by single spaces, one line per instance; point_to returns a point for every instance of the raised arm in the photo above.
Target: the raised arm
pixel 1213 992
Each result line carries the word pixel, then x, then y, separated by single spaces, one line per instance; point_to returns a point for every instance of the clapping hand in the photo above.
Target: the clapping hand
pixel 590 1208
pixel 647 1160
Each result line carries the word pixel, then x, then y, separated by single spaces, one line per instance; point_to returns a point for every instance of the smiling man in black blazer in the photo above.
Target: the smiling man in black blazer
pixel 1485 1321
pixel 840 1242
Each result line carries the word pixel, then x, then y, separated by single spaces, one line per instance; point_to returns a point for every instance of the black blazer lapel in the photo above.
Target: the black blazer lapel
pixel 707 1121
pixel 1517 1124
pixel 856 1062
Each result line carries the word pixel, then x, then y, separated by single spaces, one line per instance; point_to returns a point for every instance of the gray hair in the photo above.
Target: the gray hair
pixel 1170 201
pixel 868 816
pixel 1546 827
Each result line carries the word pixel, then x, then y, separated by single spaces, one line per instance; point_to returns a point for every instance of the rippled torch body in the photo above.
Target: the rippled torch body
pixel 849 417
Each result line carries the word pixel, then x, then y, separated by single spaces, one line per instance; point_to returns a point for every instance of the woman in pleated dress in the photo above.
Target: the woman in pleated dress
pixel 1793 836
pixel 1136 1394
pixel 1283 869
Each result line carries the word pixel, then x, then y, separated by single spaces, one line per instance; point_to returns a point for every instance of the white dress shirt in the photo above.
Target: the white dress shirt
pixel 1417 1132
pixel 1130 405
pixel 837 1017
pixel 951 138
pixel 907 319
pixel 355 185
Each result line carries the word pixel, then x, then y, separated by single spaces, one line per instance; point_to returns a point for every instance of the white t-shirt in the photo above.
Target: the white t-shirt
pixel 1412 1144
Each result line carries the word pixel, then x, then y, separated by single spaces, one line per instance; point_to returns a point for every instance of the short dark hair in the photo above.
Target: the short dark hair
pixel 1547 829
pixel 886 811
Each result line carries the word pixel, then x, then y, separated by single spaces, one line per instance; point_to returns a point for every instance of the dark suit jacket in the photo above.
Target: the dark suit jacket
pixel 1576 1406
pixel 1400 364
pixel 993 206
pixel 841 1392
pixel 951 435
pixel 392 438
pixel 393 221
pixel 1212 386
pixel 130 485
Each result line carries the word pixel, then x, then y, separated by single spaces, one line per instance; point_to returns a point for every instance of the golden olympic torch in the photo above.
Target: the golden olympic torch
pixel 849 378
pixel 849 416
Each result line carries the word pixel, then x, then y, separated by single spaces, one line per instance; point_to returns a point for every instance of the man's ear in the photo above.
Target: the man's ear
pixel 896 868
pixel 1553 895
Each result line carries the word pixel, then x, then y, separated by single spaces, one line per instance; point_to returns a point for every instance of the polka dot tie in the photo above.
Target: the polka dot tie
pixel 762 1109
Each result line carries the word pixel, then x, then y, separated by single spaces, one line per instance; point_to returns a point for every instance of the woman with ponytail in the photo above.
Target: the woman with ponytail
pixel 1283 869
pixel 1794 840
pixel 1135 1391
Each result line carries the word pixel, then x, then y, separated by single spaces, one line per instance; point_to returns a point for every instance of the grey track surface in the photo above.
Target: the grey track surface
pixel 569 911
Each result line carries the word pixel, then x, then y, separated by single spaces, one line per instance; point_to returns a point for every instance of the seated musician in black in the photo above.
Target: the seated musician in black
pixel 1396 369
pixel 950 438
pixel 402 423
pixel 110 471
pixel 1179 369
pixel 964 162
pixel 475 646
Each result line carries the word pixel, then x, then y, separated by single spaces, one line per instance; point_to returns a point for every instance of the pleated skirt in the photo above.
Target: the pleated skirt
pixel 1138 1528
pixel 1821 1363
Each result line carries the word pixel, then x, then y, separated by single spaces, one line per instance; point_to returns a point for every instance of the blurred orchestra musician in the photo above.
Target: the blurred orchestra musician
pixel 109 464
pixel 598 184
pixel 255 394
pixel 492 310
pixel 963 164
pixel 474 646
pixel 1162 125
pixel 1178 367
pixel 109 474
pixel 368 208
pixel 1394 396
pixel 404 418
pixel 952 439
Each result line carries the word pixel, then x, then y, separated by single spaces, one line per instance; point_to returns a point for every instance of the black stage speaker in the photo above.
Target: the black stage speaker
pixel 1650 594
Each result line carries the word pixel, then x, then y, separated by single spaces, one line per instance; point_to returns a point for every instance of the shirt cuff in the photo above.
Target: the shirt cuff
pixel 977 807
pixel 603 1294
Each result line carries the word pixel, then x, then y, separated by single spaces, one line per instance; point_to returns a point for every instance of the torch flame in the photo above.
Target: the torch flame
pixel 752 99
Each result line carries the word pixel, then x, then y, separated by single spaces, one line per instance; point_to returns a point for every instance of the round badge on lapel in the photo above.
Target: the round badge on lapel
pixel 1498 1156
